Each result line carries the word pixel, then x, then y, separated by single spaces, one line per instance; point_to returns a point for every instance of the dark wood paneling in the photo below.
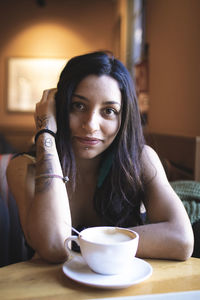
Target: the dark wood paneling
pixel 20 138
pixel 180 151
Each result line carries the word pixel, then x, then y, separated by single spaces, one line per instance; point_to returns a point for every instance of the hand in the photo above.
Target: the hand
pixel 45 116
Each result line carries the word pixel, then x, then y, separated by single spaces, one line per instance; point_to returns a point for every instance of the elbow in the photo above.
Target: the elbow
pixel 187 251
pixel 185 248
pixel 53 252
pixel 49 247
pixel 53 255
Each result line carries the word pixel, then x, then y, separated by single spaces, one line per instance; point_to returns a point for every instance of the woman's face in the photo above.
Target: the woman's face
pixel 95 116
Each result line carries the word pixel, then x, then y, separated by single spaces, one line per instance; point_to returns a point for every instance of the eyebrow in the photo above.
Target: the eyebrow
pixel 86 99
pixel 79 96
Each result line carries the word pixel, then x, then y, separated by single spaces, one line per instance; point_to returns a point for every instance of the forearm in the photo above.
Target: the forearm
pixel 164 240
pixel 49 219
pixel 169 234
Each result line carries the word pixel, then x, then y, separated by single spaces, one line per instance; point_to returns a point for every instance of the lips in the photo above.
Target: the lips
pixel 88 141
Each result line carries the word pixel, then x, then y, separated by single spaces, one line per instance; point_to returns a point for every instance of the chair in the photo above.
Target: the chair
pixel 189 192
pixel 12 243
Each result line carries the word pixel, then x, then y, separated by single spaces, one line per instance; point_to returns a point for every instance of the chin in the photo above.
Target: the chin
pixel 86 154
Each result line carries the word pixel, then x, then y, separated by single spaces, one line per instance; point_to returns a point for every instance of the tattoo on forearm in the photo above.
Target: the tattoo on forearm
pixel 43 166
pixel 42 121
pixel 42 184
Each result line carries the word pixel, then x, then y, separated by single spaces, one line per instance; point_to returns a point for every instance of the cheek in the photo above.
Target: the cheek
pixel 113 128
pixel 74 122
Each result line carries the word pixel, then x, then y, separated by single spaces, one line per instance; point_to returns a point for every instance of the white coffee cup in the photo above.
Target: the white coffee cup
pixel 107 250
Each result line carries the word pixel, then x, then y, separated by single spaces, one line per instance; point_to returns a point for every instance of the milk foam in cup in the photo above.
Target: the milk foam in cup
pixel 107 250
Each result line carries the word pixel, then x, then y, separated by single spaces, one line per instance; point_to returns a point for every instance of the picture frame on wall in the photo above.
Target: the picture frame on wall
pixel 27 78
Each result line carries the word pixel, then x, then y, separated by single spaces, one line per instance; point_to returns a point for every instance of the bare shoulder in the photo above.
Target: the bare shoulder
pixel 20 172
pixel 151 164
pixel 18 167
pixel 149 153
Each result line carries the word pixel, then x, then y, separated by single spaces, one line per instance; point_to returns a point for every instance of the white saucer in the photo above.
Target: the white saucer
pixel 78 270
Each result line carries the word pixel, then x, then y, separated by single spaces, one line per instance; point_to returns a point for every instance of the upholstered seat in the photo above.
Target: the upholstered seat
pixel 189 192
pixel 12 243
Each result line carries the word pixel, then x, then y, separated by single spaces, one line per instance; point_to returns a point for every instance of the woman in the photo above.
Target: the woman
pixel 89 130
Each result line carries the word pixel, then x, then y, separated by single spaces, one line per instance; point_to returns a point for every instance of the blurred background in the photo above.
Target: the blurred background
pixel 158 41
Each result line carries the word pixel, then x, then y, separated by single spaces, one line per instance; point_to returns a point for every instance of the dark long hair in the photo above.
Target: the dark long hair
pixel 118 196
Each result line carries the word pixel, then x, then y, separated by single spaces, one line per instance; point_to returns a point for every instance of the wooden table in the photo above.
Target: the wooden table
pixel 39 280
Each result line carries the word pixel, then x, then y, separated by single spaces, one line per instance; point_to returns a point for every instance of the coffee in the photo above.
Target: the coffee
pixel 107 236
pixel 106 250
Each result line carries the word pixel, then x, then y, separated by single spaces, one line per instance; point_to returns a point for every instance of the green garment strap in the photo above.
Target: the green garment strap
pixel 104 169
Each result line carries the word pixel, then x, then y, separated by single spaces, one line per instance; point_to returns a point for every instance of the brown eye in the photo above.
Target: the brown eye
pixel 110 111
pixel 78 106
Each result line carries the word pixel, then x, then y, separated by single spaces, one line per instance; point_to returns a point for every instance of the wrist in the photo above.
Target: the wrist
pixel 42 131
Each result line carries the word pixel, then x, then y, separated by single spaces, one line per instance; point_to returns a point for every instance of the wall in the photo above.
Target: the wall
pixel 174 66
pixel 63 28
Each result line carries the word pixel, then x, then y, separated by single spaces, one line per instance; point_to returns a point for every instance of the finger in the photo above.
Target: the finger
pixel 44 95
pixel 51 93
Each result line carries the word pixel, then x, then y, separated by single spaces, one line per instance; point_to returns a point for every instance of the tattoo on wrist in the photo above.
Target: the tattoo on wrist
pixel 48 142
pixel 44 145
pixel 42 121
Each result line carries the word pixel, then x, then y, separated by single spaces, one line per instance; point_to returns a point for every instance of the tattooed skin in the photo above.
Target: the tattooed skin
pixel 44 146
pixel 43 165
pixel 48 143
pixel 42 121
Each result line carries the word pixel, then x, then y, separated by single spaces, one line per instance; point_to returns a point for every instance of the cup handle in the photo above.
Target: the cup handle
pixel 66 244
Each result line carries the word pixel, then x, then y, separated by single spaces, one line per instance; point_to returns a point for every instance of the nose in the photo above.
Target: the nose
pixel 91 122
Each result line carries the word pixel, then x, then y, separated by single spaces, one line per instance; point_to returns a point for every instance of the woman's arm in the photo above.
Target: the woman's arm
pixel 169 233
pixel 43 202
